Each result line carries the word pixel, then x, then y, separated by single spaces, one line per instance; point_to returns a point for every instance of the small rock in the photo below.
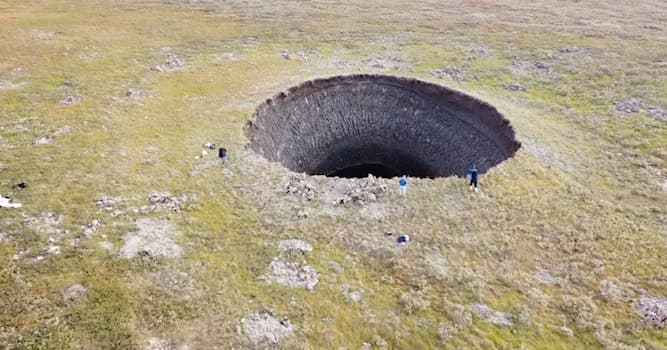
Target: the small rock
pixel 63 130
pixel 43 140
pixel 74 293
pixel 70 100
pixel 134 94
pixel 265 327
pixel 6 202
pixel 21 185
pixel 544 277
pixel 351 294
pixel 90 229
pixel 565 331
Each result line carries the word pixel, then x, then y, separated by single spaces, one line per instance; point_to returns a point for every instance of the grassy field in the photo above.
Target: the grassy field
pixel 565 236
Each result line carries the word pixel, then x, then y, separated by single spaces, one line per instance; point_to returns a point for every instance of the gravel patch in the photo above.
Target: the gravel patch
pixel 74 293
pixel 490 315
pixel 290 274
pixel 653 310
pixel 153 238
pixel 173 63
pixel 264 327
pixel 633 105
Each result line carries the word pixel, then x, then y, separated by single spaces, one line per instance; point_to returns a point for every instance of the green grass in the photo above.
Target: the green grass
pixel 582 197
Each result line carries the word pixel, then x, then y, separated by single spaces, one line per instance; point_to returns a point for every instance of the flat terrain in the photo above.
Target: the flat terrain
pixel 128 239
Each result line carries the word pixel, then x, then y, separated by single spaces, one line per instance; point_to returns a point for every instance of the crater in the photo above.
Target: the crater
pixel 387 126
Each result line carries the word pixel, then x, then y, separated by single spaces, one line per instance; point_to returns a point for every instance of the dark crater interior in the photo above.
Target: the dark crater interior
pixel 352 126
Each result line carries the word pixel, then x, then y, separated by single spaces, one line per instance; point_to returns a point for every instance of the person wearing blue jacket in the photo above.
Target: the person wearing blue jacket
pixel 403 184
pixel 473 177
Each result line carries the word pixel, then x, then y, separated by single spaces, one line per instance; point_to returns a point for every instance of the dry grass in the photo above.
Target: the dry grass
pixel 582 199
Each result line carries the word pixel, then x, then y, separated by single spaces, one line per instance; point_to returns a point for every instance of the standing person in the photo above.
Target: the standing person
pixel 473 177
pixel 222 154
pixel 403 184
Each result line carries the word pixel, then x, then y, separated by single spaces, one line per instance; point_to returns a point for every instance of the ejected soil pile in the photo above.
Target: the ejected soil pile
pixel 350 126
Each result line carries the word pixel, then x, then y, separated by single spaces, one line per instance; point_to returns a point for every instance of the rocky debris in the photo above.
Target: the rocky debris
pixel 74 293
pixel 108 203
pixel 527 67
pixel 299 55
pixel 633 105
pixel 265 327
pixel 652 309
pixel 43 140
pixel 48 138
pixel 163 344
pixel 514 86
pixel 87 57
pixel 229 56
pixel 7 85
pixel 447 331
pixel 544 277
pixel 613 291
pixel 573 49
pixel 51 249
pixel 171 64
pixel 63 130
pixel 295 245
pixel 7 202
pixel 476 51
pixel 388 62
pixel 490 315
pixel 90 229
pixel 47 223
pixel 154 238
pixel 46 34
pixel 454 73
pixel 565 331
pixel 362 191
pixel 291 274
pixel 165 201
pixel 352 294
pixel 298 186
pixel 174 280
pixel 70 100
pixel 134 94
